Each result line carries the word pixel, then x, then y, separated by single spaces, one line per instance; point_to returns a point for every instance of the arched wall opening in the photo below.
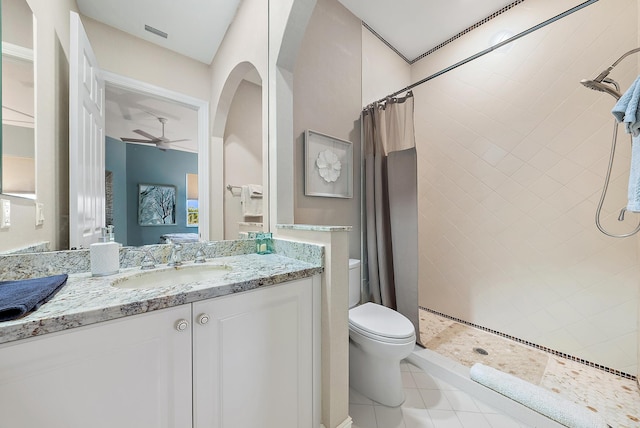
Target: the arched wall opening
pixel 238 148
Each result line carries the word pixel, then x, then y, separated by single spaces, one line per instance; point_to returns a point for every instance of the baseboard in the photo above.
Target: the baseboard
pixel 347 423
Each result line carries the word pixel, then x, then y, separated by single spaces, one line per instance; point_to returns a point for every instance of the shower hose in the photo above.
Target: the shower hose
pixel 604 192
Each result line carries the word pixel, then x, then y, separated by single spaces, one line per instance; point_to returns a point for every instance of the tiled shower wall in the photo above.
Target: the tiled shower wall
pixel 512 155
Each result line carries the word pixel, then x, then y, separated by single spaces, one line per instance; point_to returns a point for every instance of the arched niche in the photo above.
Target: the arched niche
pixel 239 79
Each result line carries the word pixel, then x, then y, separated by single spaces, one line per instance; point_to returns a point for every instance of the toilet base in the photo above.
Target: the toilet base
pixel 377 378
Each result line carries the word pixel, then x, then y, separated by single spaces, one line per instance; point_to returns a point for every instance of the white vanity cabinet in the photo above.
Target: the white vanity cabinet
pixel 249 360
pixel 254 358
pixel 129 372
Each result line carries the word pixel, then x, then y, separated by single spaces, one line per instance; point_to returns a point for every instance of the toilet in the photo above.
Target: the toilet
pixel 379 338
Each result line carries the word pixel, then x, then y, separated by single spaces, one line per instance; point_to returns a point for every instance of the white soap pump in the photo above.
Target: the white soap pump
pixel 105 254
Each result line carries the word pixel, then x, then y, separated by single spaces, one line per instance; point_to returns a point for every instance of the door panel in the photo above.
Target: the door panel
pixel 130 372
pixel 253 361
pixel 86 141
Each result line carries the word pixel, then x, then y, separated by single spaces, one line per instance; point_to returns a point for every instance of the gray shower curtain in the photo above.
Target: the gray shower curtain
pixel 390 176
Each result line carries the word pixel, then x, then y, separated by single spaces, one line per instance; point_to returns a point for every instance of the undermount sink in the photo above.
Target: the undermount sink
pixel 165 277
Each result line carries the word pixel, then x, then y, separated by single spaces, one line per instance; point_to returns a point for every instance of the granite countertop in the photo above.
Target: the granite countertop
pixel 86 300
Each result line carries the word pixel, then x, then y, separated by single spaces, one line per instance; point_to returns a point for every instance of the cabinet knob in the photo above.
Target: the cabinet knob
pixel 182 325
pixel 203 319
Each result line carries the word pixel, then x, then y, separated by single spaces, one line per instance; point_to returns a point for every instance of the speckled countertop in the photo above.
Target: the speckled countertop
pixel 86 300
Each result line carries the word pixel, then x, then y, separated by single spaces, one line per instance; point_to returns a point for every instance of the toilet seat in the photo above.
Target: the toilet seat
pixel 380 323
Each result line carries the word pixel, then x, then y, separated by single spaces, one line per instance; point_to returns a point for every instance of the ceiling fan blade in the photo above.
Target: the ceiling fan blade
pixel 146 134
pixel 177 141
pixel 136 140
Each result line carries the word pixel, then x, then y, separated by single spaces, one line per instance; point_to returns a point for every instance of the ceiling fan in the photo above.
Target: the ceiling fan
pixel 162 142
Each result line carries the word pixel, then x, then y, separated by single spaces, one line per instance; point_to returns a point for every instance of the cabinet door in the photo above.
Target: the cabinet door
pixel 254 358
pixel 131 372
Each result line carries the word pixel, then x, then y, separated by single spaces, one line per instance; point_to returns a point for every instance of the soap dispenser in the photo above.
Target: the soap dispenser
pixel 105 254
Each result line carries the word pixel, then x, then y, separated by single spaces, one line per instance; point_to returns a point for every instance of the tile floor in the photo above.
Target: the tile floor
pixel 440 394
pixel 430 403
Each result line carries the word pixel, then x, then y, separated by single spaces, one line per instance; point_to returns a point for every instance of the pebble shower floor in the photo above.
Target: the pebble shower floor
pixel 615 398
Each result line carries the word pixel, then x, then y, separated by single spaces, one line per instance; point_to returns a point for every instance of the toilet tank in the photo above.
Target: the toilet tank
pixel 354 282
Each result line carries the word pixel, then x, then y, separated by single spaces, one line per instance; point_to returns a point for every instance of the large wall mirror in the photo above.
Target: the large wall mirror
pixel 146 60
pixel 17 143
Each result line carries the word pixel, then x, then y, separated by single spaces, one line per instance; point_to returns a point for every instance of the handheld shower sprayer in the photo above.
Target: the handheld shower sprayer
pixel 602 83
pixel 598 84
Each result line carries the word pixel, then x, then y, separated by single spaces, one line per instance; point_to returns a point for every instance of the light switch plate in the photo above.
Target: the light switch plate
pixel 5 213
pixel 39 213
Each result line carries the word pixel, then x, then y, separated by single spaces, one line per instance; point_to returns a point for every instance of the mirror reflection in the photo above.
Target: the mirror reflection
pixel 151 141
pixel 243 204
pixel 192 200
pixel 18 164
pixel 191 67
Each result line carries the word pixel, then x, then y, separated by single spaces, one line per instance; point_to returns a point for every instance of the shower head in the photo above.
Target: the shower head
pixel 601 86
pixel 598 84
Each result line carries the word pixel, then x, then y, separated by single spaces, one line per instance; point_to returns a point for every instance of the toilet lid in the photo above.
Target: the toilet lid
pixel 380 321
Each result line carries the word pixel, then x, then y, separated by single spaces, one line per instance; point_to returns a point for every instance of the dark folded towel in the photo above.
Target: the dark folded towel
pixel 22 296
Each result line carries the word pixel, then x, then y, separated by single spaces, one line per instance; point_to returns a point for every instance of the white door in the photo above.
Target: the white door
pixel 253 358
pixel 133 372
pixel 86 141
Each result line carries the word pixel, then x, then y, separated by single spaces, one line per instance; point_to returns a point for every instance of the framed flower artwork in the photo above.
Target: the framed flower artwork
pixel 328 166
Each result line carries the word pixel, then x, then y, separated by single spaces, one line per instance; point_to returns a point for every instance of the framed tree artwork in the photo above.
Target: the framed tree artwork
pixel 156 204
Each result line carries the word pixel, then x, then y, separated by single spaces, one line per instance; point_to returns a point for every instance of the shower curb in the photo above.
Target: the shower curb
pixel 457 375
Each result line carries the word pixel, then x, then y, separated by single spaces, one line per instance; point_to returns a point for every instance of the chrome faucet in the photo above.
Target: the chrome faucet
pixel 175 258
pixel 200 256
pixel 148 261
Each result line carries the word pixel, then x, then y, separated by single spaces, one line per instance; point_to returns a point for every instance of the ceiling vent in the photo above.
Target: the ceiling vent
pixel 155 31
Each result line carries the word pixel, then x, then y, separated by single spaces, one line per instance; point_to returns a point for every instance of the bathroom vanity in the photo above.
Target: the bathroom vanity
pixel 239 350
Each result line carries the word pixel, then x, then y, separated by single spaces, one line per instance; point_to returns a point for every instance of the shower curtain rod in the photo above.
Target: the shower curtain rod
pixel 492 48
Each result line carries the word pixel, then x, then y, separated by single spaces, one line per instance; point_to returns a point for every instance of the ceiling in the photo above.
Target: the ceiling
pixel 127 111
pixel 196 28
pixel 413 27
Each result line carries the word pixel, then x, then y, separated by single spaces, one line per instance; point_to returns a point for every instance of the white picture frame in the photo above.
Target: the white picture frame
pixel 328 169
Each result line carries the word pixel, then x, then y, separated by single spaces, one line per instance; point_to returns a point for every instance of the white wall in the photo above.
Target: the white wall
pixel 327 99
pixel 18 29
pixel 383 71
pixel 124 54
